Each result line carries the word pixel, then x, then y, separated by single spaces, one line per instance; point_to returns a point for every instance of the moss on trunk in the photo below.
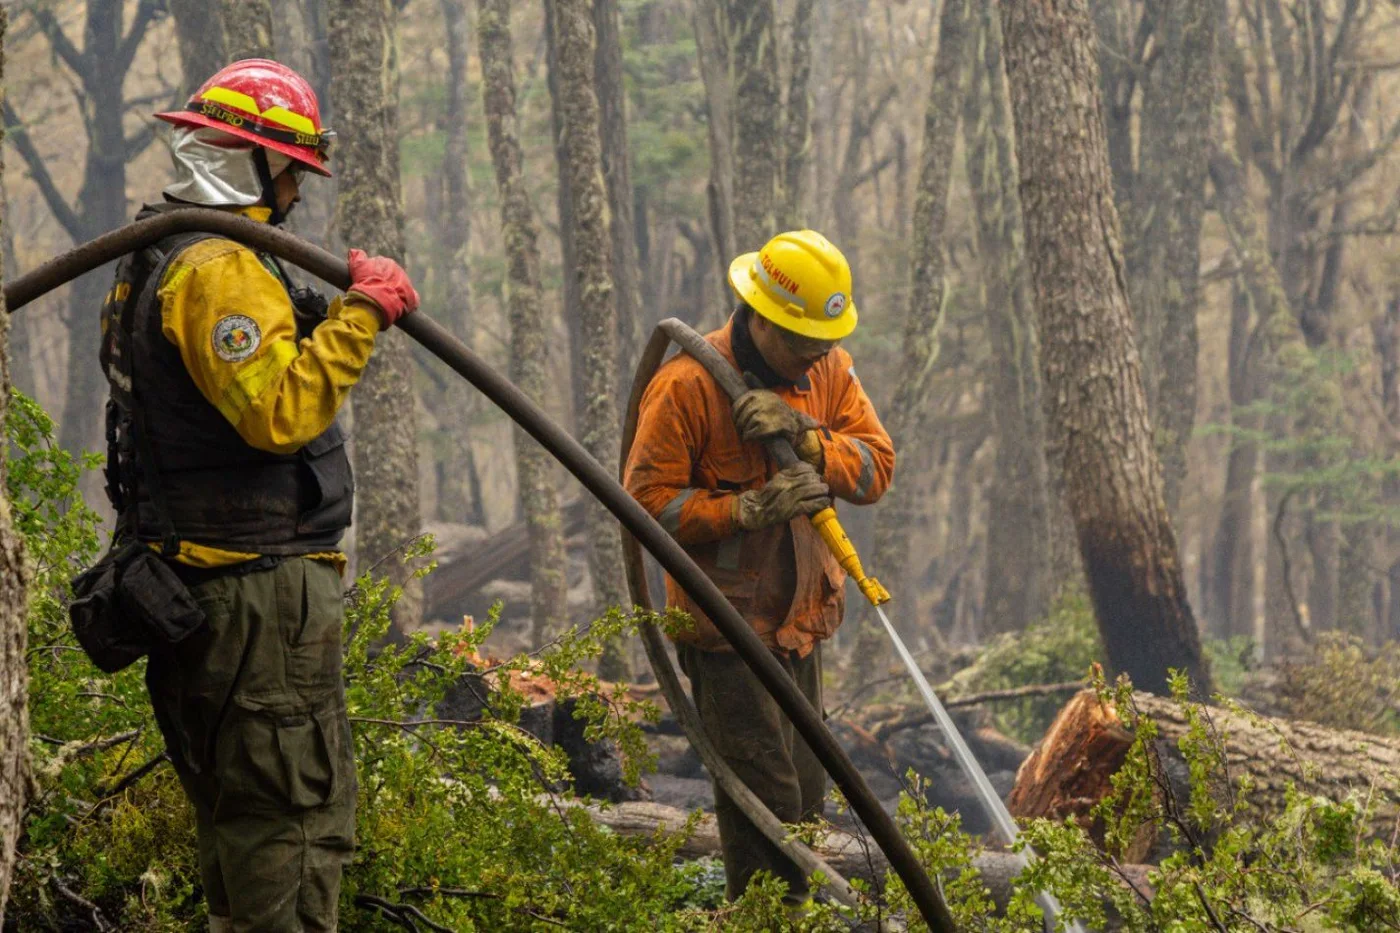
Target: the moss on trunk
pixel 529 336
pixel 364 93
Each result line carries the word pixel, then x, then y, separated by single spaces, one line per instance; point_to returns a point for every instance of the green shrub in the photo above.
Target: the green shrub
pixel 1342 683
pixel 1061 647
pixel 466 824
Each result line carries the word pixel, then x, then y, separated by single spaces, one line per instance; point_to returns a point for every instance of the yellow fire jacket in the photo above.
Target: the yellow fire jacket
pixel 286 391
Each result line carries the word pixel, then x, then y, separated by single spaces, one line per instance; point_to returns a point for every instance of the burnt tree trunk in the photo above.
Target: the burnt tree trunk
pixel 247 28
pixel 598 424
pixel 364 90
pixel 757 115
pixel 199 31
pixel 617 170
pixel 1017 585
pixel 924 315
pixel 14 581
pixel 529 334
pixel 1096 409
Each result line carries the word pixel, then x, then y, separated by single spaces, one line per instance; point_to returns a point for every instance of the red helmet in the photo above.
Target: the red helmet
pixel 265 103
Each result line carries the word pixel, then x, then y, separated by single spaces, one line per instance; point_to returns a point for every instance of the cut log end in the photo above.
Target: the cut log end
pixel 1072 767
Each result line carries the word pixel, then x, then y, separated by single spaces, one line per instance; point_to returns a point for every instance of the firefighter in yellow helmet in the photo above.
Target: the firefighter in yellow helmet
pixel 228 472
pixel 699 466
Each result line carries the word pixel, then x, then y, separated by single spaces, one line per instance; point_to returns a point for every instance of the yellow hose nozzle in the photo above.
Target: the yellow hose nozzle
pixel 829 527
pixel 874 591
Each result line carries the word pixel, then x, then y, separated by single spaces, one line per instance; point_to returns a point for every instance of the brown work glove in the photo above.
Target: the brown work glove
pixel 760 414
pixel 798 490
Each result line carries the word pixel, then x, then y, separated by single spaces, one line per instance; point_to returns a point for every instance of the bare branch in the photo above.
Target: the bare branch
pixel 139 141
pixel 1350 171
pixel 126 52
pixel 99 920
pixel 874 170
pixel 133 777
pixel 61 210
pixel 62 46
pixel 923 717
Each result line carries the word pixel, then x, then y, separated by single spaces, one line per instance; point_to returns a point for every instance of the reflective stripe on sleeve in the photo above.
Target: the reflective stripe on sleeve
pixel 253 378
pixel 867 470
pixel 670 517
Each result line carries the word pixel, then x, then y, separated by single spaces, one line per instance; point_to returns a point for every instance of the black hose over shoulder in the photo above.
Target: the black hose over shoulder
pixel 578 461
pixel 681 706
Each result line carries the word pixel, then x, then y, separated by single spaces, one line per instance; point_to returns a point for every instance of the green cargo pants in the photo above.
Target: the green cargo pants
pixel 252 707
pixel 759 742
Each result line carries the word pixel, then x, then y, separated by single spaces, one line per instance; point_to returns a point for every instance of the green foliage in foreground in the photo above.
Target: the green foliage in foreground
pixel 472 826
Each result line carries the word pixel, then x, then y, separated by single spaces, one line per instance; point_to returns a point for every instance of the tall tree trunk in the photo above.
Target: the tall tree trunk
pixel 456 502
pixel 597 313
pixel 797 121
pixel 97 74
pixel 1018 515
pixel 712 50
pixel 1282 360
pixel 199 30
pixel 924 317
pixel 102 207
pixel 568 247
pixel 757 121
pixel 617 169
pixel 1164 268
pixel 14 627
pixel 1096 408
pixel 364 89
pixel 300 28
pixel 865 111
pixel 1233 576
pixel 247 28
pixel 21 365
pixel 529 333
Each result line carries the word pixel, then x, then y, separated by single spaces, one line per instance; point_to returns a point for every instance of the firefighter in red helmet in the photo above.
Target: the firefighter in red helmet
pixel 225 458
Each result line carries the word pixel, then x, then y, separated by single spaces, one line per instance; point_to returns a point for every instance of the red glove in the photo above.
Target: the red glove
pixel 383 283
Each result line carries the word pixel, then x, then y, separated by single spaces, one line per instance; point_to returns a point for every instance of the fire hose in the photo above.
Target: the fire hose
pixel 518 406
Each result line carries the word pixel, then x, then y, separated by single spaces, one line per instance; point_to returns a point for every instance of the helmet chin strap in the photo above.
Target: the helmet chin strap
pixel 269 189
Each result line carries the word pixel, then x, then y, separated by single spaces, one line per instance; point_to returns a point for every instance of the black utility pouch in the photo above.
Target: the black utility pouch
pixel 108 637
pixel 129 601
pixel 157 600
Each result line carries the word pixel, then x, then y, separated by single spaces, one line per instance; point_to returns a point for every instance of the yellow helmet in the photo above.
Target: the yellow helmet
pixel 800 282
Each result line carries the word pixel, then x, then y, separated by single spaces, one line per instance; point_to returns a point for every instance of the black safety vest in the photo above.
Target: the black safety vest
pixel 176 469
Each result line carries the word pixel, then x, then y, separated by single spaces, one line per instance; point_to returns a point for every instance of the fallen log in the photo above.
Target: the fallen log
pixel 1071 769
pixel 846 853
pixel 505 554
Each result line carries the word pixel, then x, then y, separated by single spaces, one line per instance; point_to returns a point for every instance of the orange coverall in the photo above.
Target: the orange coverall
pixel 687 464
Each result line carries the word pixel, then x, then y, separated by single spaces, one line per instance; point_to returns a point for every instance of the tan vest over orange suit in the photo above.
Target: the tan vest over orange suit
pixel 687 464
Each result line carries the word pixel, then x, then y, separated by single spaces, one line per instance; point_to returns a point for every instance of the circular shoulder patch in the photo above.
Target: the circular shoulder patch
pixel 836 304
pixel 236 338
